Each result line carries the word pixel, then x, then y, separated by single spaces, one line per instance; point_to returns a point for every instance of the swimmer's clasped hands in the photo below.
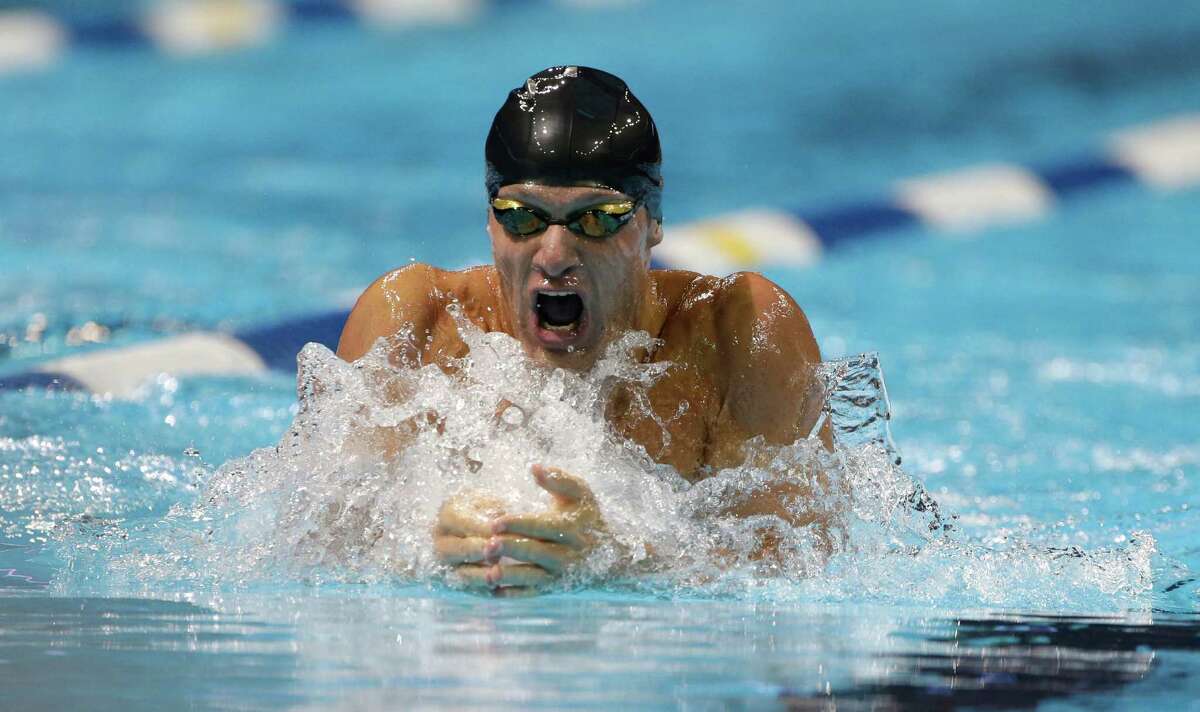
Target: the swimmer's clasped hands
pixel 473 534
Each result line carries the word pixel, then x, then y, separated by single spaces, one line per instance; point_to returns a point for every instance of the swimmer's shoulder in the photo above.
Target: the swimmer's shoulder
pixel 747 317
pixel 730 305
pixel 683 293
pixel 759 318
pixel 410 302
pixel 696 307
pixel 756 343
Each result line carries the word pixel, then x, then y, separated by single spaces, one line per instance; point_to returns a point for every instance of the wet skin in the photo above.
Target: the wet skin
pixel 742 354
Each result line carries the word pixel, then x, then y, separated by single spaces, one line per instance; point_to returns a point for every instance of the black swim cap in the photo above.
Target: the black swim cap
pixel 576 126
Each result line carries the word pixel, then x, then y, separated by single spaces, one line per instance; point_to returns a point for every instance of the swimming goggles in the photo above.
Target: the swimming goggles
pixel 595 222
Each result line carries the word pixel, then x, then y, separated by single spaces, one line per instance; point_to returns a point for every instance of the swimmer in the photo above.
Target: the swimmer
pixel 574 209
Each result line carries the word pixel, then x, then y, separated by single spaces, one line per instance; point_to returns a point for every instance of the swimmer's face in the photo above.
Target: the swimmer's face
pixel 568 295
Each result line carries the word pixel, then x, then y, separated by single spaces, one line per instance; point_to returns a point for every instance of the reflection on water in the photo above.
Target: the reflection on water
pixel 1016 662
pixel 86 653
pixel 349 651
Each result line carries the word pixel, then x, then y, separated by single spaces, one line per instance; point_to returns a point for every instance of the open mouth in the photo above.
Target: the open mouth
pixel 558 311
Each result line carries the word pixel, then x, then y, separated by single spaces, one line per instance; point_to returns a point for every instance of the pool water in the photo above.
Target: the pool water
pixel 1042 376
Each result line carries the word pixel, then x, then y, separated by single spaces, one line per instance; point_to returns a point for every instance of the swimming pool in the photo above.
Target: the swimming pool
pixel 1041 375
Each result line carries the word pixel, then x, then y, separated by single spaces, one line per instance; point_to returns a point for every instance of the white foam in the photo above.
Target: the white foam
pixel 326 505
pixel 975 197
pixel 29 40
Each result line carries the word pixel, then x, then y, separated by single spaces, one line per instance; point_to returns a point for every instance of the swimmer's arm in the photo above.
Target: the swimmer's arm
pixel 399 307
pixel 770 355
pixel 772 391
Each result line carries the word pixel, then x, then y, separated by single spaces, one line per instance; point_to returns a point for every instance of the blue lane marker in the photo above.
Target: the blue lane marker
pixel 278 344
pixel 318 10
pixel 1082 174
pixel 114 33
pixel 840 224
pixel 42 381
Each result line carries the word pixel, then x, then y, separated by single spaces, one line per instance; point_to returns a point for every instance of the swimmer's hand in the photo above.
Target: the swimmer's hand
pixel 472 535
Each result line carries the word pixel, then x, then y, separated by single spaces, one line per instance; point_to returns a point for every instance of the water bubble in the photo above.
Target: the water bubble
pixel 555 386
pixel 513 416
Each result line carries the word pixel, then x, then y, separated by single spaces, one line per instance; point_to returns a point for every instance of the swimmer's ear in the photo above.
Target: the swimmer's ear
pixel 656 233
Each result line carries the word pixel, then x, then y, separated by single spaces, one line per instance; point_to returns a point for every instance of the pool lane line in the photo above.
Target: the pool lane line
pixel 1164 155
pixel 33 37
pixel 121 371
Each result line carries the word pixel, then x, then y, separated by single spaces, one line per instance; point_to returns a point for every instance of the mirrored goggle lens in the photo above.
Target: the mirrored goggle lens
pixel 597 223
pixel 520 221
pixel 601 221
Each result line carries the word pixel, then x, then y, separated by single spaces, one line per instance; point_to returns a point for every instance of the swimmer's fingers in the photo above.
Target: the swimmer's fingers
pixel 520 575
pixel 466 515
pixel 474 575
pixel 548 555
pixel 566 488
pixel 550 527
pixel 495 576
pixel 453 550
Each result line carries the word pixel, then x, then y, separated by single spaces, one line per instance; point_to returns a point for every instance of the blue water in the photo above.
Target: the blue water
pixel 1044 377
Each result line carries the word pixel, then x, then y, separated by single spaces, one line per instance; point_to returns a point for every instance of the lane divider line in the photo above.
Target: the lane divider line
pixel 29 39
pixel 121 371
pixel 1161 156
pixel 974 197
pixel 739 241
pixel 207 26
pixel 1165 155
pixel 33 38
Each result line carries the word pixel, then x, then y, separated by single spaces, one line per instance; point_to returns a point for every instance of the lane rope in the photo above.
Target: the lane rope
pixel 33 38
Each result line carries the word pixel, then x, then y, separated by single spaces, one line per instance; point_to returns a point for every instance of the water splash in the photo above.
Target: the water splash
pixel 351 492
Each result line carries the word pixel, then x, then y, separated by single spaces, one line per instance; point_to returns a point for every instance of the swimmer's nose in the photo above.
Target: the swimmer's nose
pixel 556 255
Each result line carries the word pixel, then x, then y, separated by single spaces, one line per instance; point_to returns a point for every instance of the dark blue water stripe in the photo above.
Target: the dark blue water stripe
pixel 44 381
pixel 836 225
pixel 278 344
pixel 1068 178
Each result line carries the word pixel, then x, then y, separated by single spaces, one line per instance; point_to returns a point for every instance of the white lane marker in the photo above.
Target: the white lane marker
pixel 1165 154
pixel 975 197
pixel 121 371
pixel 397 13
pixel 188 27
pixel 749 239
pixel 29 40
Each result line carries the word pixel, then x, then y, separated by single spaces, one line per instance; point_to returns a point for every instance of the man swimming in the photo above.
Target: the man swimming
pixel 574 188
